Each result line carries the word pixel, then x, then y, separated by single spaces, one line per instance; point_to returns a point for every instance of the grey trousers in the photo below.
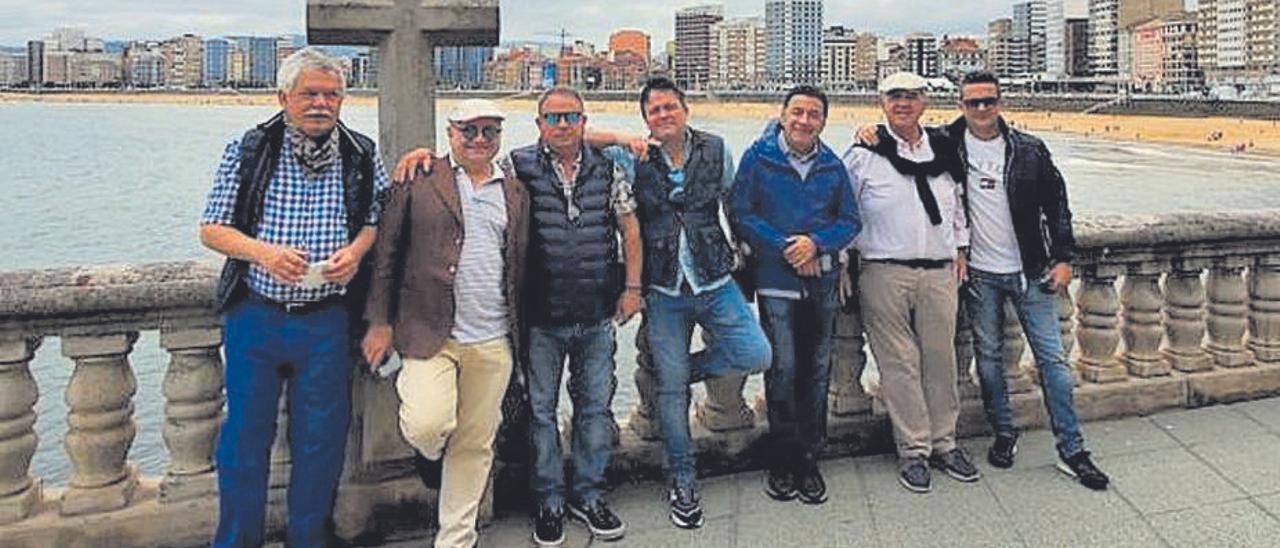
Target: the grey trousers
pixel 910 318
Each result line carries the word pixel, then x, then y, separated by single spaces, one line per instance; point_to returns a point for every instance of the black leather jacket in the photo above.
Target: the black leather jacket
pixel 1037 199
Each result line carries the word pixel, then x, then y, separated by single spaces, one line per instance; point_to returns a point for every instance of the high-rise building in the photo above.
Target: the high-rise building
pixel 94 69
pixel 635 41
pixel 738 53
pixel 1056 41
pixel 57 68
pixel 217 61
pixel 793 41
pixel 1109 20
pixel 1164 54
pixel 1029 20
pixel 461 66
pixel 66 39
pixel 1006 50
pixel 35 63
pixel 13 69
pixel 184 58
pixel 261 58
pixel 922 54
pixel 958 56
pixel 1076 47
pixel 694 43
pixel 839 58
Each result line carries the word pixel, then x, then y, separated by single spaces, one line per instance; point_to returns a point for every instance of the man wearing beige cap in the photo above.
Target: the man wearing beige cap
pixel 909 189
pixel 445 292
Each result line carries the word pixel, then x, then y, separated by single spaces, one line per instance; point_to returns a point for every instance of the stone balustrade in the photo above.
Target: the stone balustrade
pixel 1176 310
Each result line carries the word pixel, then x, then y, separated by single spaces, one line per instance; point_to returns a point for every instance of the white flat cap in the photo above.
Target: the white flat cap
pixel 903 81
pixel 474 109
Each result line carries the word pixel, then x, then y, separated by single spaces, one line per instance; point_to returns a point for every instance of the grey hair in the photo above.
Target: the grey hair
pixel 563 91
pixel 308 58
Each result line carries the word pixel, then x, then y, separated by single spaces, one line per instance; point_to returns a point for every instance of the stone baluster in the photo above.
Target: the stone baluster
pixel 847 362
pixel 1228 314
pixel 193 411
pixel 19 492
pixel 1066 326
pixel 1185 318
pixel 1142 302
pixel 1098 333
pixel 724 408
pixel 100 419
pixel 644 418
pixel 965 353
pixel 1017 375
pixel 1264 309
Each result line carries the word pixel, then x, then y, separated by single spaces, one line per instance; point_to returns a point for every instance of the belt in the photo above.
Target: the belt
pixel 926 264
pixel 297 307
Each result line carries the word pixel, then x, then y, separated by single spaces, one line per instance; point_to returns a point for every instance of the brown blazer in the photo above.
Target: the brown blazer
pixel 416 257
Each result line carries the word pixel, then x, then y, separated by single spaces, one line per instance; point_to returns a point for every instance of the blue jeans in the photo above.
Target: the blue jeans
pixel 985 294
pixel 590 350
pixel 736 346
pixel 266 346
pixel 800 332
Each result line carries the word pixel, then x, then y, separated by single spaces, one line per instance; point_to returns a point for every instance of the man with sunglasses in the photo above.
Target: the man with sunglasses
pixel 449 270
pixel 910 194
pixel 1022 245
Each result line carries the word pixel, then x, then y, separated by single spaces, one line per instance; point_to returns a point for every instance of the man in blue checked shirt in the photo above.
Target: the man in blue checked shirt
pixel 294 207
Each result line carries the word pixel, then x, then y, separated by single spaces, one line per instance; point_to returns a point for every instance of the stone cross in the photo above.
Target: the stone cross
pixel 406 33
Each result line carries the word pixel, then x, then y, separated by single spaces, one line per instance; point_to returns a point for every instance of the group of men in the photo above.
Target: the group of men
pixel 478 269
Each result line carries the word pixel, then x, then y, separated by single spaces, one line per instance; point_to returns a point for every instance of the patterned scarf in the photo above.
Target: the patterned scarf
pixel 315 156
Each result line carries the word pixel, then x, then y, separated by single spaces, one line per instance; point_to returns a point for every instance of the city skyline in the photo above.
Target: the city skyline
pixel 521 22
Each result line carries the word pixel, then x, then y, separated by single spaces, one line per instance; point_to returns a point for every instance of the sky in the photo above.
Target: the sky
pixel 522 20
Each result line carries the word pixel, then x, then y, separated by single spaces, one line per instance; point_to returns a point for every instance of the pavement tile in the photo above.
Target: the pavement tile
pixel 1270 503
pixel 844 521
pixel 1035 448
pixel 1132 533
pixel 1265 411
pixel 646 506
pixel 1125 437
pixel 1238 524
pixel 715 533
pixel 1250 463
pixel 1166 480
pixel 1046 499
pixel 1208 424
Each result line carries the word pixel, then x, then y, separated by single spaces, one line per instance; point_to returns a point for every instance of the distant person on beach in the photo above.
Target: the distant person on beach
pixel 446 293
pixel 294 206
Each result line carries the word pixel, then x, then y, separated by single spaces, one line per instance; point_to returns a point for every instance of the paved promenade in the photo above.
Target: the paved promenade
pixel 1199 478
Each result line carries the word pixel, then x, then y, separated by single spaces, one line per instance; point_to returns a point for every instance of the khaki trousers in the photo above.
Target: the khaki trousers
pixel 451 406
pixel 910 317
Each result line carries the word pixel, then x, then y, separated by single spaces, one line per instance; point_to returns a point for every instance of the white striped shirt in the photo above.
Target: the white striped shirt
pixel 480 312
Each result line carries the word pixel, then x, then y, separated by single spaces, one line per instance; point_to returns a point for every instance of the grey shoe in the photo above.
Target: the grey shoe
pixel 957 464
pixel 914 474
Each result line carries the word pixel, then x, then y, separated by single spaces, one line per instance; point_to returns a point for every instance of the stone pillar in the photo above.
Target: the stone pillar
pixel 1264 309
pixel 724 409
pixel 1228 314
pixel 1185 319
pixel 1017 376
pixel 644 418
pixel 100 419
pixel 193 411
pixel 1098 333
pixel 847 363
pixel 19 492
pixel 1066 326
pixel 1142 301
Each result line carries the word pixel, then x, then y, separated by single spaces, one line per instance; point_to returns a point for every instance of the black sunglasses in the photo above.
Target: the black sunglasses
pixel 982 102
pixel 554 118
pixel 470 131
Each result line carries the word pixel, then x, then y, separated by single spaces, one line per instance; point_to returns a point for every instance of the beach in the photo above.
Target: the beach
pixel 1244 136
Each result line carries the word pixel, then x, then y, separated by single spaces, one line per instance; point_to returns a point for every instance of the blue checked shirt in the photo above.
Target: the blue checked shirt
pixel 306 214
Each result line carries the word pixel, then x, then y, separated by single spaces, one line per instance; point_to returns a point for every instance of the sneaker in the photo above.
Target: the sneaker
pixel 599 519
pixel 1002 450
pixel 812 490
pixel 1081 467
pixel 428 470
pixel 780 484
pixel 548 527
pixel 914 475
pixel 686 508
pixel 957 464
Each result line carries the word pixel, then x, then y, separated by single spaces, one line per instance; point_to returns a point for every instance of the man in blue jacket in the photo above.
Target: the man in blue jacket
pixel 793 204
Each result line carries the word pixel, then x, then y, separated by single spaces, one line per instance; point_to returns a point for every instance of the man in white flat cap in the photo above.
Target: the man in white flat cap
pixel 445 293
pixel 909 189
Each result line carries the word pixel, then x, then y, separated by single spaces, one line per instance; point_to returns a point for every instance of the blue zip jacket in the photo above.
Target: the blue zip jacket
pixel 771 203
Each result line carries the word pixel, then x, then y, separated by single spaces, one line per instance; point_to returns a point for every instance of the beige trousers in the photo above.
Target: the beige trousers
pixel 910 317
pixel 451 406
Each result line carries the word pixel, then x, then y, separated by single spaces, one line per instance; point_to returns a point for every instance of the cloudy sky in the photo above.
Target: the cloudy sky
pixel 592 20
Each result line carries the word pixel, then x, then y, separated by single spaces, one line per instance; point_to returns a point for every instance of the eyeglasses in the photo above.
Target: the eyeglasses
pixel 982 102
pixel 314 96
pixel 554 118
pixel 471 131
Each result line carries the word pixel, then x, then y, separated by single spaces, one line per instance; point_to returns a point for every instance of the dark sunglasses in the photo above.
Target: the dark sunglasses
pixel 554 118
pixel 982 102
pixel 470 131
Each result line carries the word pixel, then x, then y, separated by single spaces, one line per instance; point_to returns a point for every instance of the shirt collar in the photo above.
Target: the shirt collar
pixel 915 147
pixel 459 172
pixel 687 149
pixel 796 156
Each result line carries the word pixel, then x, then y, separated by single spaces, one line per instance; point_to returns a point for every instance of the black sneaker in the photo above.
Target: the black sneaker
pixel 686 508
pixel 1081 467
pixel 1002 450
pixel 957 464
pixel 914 475
pixel 812 489
pixel 780 484
pixel 599 519
pixel 428 470
pixel 548 527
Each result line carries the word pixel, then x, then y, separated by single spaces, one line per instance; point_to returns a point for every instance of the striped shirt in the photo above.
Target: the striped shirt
pixel 480 312
pixel 298 212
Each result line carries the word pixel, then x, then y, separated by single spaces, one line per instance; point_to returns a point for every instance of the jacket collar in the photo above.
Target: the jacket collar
pixel 769 149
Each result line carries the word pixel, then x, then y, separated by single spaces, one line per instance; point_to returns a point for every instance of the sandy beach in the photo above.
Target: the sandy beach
pixel 1253 137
